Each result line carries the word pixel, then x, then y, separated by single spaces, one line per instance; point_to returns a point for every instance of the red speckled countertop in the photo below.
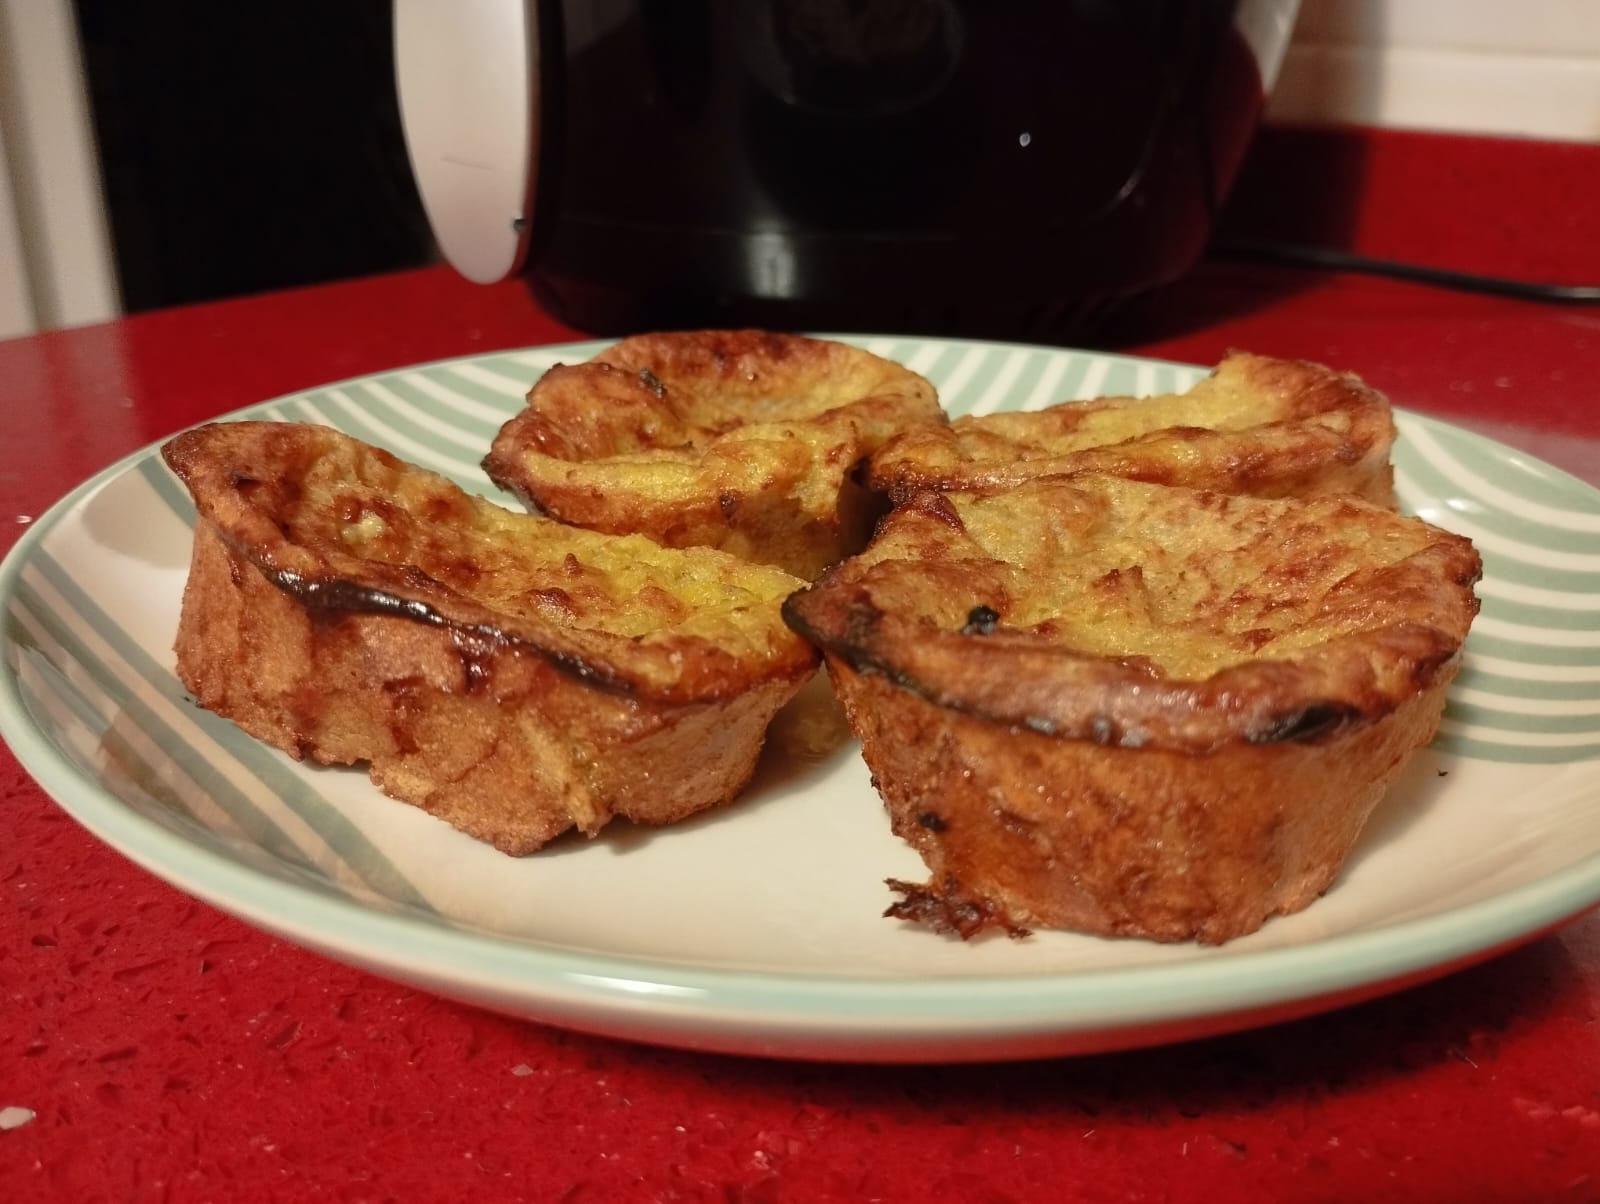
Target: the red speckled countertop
pixel 152 1048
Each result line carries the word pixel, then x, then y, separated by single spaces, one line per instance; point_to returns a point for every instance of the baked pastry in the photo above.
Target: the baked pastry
pixel 513 676
pixel 1134 709
pixel 1256 425
pixel 741 440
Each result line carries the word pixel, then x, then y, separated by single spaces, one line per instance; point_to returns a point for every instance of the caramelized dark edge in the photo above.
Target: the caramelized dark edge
pixel 1308 720
pixel 332 596
pixel 945 910
pixel 338 595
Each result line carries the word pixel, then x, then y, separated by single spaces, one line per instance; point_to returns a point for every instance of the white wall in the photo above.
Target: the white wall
pixel 1513 67
pixel 56 267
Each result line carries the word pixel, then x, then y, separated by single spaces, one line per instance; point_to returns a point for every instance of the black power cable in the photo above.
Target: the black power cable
pixel 1330 259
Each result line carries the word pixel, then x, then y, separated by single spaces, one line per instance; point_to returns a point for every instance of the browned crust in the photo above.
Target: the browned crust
pixel 510 729
pixel 1047 783
pixel 1062 692
pixel 944 908
pixel 1021 830
pixel 245 476
pixel 866 613
pixel 737 439
pixel 1321 432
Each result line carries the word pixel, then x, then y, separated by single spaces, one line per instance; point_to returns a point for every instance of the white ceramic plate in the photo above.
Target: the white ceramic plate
pixel 757 929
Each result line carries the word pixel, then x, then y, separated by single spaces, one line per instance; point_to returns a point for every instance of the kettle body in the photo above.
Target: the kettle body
pixel 897 165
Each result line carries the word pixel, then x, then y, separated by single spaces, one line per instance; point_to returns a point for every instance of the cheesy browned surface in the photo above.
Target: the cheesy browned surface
pixel 1170 615
pixel 741 440
pixel 346 524
pixel 1256 425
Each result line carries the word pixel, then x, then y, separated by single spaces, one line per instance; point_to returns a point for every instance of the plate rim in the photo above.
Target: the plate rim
pixel 776 1004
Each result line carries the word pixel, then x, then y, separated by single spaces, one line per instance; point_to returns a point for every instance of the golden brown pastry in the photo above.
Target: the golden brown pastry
pixel 1131 709
pixel 741 440
pixel 511 675
pixel 1259 426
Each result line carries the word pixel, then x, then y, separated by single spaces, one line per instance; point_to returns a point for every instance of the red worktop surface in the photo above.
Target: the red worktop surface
pixel 167 1051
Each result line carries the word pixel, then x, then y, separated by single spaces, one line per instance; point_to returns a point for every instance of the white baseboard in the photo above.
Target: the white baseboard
pixel 1529 68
